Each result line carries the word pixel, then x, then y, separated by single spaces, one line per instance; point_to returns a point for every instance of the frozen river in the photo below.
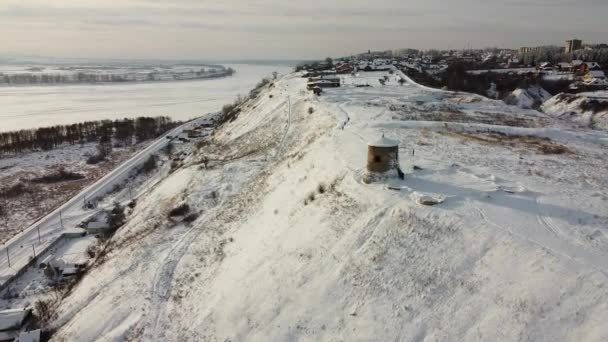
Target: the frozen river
pixel 35 106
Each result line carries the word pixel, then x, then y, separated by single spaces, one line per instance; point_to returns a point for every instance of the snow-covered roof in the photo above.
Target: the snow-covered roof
pixel 384 142
pixel 30 336
pixel 13 318
pixel 597 74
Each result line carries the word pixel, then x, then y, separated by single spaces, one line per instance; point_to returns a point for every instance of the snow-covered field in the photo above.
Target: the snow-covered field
pixel 290 243
pixel 35 106
pixel 35 200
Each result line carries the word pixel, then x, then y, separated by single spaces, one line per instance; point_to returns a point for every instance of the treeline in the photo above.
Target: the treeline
pixel 122 132
pixel 32 78
pixel 231 111
pixel 29 78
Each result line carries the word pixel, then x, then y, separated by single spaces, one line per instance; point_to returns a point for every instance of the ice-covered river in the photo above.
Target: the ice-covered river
pixel 35 106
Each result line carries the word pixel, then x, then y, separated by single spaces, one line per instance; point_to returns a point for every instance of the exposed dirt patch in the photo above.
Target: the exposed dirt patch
pixel 448 114
pixel 538 144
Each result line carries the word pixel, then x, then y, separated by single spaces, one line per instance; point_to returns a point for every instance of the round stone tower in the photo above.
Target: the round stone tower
pixel 383 157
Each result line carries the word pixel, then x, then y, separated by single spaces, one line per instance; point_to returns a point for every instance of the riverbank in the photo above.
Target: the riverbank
pixel 35 106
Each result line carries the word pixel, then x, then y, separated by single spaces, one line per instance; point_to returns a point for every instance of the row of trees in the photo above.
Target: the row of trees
pixel 33 78
pixel 30 78
pixel 106 132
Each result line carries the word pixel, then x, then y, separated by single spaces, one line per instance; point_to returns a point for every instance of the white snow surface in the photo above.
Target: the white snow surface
pixel 291 245
pixel 528 98
pixel 572 108
pixel 384 142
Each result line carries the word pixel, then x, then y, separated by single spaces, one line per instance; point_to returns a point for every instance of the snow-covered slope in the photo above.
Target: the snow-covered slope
pixel 586 109
pixel 531 97
pixel 291 244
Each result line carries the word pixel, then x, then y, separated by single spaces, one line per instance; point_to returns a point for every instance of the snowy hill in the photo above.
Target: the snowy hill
pixel 586 109
pixel 291 244
pixel 529 98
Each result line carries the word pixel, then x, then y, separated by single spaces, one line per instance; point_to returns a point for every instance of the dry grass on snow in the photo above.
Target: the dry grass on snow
pixel 540 145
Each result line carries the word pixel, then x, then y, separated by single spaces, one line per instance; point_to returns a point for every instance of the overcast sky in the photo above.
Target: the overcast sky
pixel 285 29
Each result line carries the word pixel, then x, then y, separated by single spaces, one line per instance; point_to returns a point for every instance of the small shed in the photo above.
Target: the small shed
pixel 30 336
pixel 97 227
pixel 383 156
pixel 11 322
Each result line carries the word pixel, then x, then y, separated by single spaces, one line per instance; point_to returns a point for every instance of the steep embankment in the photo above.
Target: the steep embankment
pixel 290 244
pixel 586 109
pixel 530 98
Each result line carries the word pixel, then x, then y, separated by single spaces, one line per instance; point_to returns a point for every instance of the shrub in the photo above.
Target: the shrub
pixel 61 175
pixel 132 204
pixel 258 88
pixel 553 149
pixel 149 165
pixel 95 159
pixel 594 106
pixel 175 165
pixel 321 189
pixel 45 311
pixel 116 218
pixel 14 191
pixel 311 110
pixel 191 217
pixel 180 210
pixel 311 197
pixel 169 149
pixel 92 251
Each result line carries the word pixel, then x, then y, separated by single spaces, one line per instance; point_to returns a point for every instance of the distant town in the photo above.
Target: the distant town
pixel 573 68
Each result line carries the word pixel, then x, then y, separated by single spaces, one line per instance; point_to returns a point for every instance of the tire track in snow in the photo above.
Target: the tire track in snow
pixel 163 279
pixel 545 221
pixel 284 138
pixel 537 243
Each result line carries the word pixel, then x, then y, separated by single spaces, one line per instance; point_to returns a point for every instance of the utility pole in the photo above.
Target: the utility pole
pixel 61 220
pixel 38 227
pixel 8 257
pixel 34 250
